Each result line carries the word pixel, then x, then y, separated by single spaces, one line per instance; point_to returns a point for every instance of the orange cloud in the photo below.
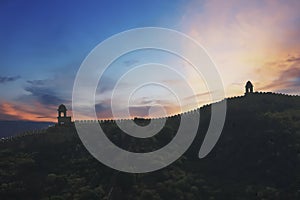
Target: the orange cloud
pixel 287 78
pixel 36 112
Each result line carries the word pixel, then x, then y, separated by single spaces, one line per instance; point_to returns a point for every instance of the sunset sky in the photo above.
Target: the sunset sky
pixel 43 43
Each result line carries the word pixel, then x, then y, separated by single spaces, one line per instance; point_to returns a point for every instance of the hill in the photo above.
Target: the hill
pixel 13 128
pixel 256 157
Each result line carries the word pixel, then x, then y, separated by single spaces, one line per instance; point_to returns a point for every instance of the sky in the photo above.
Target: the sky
pixel 43 43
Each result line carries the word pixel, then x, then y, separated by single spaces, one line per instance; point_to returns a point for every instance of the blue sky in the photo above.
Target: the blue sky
pixel 44 42
pixel 44 36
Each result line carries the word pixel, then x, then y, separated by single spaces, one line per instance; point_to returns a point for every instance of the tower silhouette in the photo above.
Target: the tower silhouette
pixel 248 88
pixel 62 118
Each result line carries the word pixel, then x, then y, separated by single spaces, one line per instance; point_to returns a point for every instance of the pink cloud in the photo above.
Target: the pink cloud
pixel 35 112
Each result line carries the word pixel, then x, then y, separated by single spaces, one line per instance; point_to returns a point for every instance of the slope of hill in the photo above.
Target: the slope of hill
pixel 256 157
pixel 12 128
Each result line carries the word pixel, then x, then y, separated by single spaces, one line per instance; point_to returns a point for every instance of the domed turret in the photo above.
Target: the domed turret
pixel 62 117
pixel 62 108
pixel 248 87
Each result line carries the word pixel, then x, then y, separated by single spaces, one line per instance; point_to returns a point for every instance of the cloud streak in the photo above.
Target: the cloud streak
pixel 34 112
pixel 5 79
pixel 288 78
pixel 44 92
pixel 45 96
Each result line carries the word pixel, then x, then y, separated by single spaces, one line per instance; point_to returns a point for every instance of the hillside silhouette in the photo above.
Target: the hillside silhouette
pixel 12 128
pixel 256 157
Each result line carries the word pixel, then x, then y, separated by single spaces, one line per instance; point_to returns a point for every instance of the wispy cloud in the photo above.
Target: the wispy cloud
pixel 43 92
pixel 5 79
pixel 287 78
pixel 37 82
pixel 34 112
pixel 130 62
pixel 45 96
pixel 293 59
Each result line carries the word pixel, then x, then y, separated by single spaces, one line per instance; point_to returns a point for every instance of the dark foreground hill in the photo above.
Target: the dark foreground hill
pixel 256 157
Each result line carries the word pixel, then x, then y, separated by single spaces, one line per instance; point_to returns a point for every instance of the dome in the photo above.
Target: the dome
pixel 249 84
pixel 62 108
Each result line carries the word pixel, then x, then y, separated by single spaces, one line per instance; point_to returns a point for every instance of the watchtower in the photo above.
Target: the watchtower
pixel 248 88
pixel 62 118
